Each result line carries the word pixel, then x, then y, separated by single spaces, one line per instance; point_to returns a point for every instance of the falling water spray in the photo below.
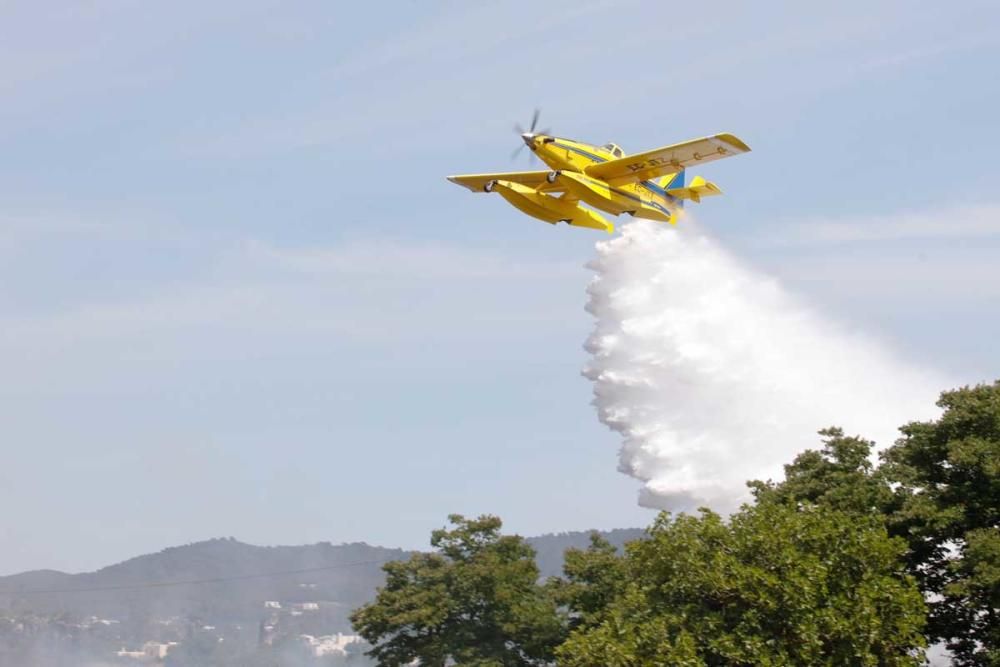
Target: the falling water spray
pixel 713 374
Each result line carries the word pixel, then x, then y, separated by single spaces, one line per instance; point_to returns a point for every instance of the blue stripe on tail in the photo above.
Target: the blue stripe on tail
pixel 676 182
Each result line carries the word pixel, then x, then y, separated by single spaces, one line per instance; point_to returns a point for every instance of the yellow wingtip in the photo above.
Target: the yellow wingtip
pixel 733 140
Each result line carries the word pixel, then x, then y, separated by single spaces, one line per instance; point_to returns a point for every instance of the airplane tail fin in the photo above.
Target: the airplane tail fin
pixel 675 180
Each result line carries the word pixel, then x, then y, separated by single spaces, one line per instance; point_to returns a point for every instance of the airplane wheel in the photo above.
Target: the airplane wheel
pixel 552 176
pixel 489 185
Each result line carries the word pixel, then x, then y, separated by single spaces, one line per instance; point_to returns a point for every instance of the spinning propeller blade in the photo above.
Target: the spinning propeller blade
pixel 526 135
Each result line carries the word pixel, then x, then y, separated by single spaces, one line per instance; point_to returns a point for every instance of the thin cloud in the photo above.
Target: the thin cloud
pixel 914 278
pixel 367 288
pixel 397 258
pixel 971 222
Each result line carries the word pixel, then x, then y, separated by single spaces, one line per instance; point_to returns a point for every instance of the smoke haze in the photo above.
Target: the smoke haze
pixel 713 374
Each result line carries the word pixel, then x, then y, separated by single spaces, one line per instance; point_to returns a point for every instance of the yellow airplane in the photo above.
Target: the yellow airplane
pixel 645 185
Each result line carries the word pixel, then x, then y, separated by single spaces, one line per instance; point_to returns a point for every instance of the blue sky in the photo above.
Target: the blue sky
pixel 237 296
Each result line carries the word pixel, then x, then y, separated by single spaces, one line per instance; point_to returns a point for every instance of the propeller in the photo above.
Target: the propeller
pixel 528 134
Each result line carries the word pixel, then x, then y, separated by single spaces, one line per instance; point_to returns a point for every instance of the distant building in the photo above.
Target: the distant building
pixel 157 650
pixel 330 644
pixel 150 652
pixel 265 634
pixel 138 655
pixel 272 604
pixel 94 620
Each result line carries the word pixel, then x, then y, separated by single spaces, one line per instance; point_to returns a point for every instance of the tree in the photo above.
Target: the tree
pixel 594 577
pixel 475 601
pixel 780 584
pixel 840 476
pixel 947 506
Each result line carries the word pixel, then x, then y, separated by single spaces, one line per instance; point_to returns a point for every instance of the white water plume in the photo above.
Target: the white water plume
pixel 713 374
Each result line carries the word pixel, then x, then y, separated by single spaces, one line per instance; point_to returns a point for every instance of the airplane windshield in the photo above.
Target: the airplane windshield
pixel 613 149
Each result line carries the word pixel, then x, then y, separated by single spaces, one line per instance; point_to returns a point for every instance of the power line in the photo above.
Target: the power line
pixel 193 582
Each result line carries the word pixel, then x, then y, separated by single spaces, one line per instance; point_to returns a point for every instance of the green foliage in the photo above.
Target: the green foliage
pixel 778 585
pixel 839 476
pixel 939 488
pixel 837 564
pixel 550 550
pixel 594 577
pixel 475 601
pixel 947 506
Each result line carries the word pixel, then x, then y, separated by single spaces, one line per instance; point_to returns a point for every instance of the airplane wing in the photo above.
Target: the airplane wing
pixel 533 179
pixel 666 160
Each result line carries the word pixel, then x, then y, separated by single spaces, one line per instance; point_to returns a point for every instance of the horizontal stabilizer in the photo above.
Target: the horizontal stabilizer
pixel 695 190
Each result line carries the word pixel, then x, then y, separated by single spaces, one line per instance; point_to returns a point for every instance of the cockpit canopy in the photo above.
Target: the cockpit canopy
pixel 614 149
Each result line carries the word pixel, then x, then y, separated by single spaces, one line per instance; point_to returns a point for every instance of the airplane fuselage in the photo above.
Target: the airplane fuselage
pixel 570 158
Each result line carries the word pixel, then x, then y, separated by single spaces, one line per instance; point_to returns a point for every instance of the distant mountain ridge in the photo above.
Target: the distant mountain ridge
pixel 549 548
pixel 235 579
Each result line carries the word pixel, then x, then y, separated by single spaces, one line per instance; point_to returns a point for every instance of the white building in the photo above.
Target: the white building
pixel 150 652
pixel 330 644
pixel 157 650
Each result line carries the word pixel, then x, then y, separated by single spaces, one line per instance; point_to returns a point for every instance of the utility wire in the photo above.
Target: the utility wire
pixel 193 582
